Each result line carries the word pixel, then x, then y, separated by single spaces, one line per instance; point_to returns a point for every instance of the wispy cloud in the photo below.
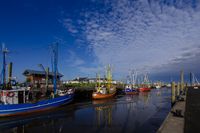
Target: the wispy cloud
pixel 68 24
pixel 142 34
pixel 73 60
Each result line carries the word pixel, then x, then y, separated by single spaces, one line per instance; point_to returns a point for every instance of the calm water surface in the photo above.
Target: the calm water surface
pixel 143 114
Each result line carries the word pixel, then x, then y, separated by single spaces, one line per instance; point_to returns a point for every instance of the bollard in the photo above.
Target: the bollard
pixel 173 95
pixel 178 89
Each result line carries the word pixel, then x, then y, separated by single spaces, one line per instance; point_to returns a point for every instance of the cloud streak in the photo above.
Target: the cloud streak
pixel 68 24
pixel 143 34
pixel 74 60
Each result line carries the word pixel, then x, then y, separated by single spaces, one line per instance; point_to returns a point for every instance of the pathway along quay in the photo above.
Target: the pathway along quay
pixel 143 113
pixel 185 113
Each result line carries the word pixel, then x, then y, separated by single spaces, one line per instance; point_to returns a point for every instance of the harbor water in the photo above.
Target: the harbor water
pixel 124 113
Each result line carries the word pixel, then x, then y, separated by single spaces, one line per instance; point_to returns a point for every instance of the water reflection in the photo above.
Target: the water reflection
pixel 104 115
pixel 45 122
pixel 128 113
pixel 145 96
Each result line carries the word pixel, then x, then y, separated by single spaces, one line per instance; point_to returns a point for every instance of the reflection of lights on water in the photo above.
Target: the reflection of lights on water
pixel 128 98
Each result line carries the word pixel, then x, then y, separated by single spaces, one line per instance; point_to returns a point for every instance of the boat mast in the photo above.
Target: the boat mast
pixel 99 84
pixel 109 78
pixel 55 63
pixel 132 78
pixel 4 52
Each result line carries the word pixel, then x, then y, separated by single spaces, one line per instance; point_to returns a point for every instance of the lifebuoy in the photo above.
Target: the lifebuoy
pixel 11 94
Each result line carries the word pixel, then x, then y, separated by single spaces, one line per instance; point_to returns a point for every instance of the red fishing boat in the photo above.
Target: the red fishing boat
pixel 145 86
pixel 144 89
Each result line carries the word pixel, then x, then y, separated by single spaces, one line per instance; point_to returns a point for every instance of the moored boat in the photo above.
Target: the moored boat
pixel 129 90
pixel 145 86
pixel 16 101
pixel 158 86
pixel 133 92
pixel 96 95
pixel 144 89
pixel 105 92
pixel 28 108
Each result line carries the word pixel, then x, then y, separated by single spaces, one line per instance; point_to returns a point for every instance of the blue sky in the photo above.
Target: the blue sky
pixel 158 37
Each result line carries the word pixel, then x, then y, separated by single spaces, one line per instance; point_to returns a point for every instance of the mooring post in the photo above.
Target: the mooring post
pixel 47 78
pixel 182 82
pixel 173 95
pixel 10 74
pixel 178 90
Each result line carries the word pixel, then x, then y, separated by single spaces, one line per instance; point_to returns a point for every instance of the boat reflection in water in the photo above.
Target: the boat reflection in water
pixel 145 96
pixel 104 115
pixel 103 111
pixel 52 121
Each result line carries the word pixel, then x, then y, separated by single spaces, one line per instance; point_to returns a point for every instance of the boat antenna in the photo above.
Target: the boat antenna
pixel 55 63
pixel 4 52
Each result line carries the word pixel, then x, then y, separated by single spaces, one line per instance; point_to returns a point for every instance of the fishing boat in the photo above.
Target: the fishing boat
pixel 145 87
pixel 168 86
pixel 16 101
pixel 158 86
pixel 194 82
pixel 130 88
pixel 102 91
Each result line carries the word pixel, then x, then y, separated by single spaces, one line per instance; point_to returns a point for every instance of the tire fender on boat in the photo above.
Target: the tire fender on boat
pixel 11 94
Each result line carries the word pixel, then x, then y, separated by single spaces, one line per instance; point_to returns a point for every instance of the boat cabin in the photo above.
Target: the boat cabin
pixel 15 96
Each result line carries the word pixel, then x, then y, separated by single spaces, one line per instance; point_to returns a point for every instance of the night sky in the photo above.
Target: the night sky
pixel 155 37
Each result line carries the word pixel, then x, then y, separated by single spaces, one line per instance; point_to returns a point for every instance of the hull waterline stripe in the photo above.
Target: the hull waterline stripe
pixel 1 111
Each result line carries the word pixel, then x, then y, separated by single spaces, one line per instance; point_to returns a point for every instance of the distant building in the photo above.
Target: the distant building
pixel 87 80
pixel 77 80
pixel 35 77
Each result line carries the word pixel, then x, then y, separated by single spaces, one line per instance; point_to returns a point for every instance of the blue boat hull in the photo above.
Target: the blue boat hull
pixel 130 91
pixel 27 108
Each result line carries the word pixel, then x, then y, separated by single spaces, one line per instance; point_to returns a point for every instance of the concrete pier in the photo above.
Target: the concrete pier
pixel 185 114
pixel 174 122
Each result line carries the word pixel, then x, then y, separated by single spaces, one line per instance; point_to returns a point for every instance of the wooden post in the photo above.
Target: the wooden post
pixel 182 82
pixel 178 89
pixel 24 96
pixel 47 78
pixel 173 95
pixel 9 74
